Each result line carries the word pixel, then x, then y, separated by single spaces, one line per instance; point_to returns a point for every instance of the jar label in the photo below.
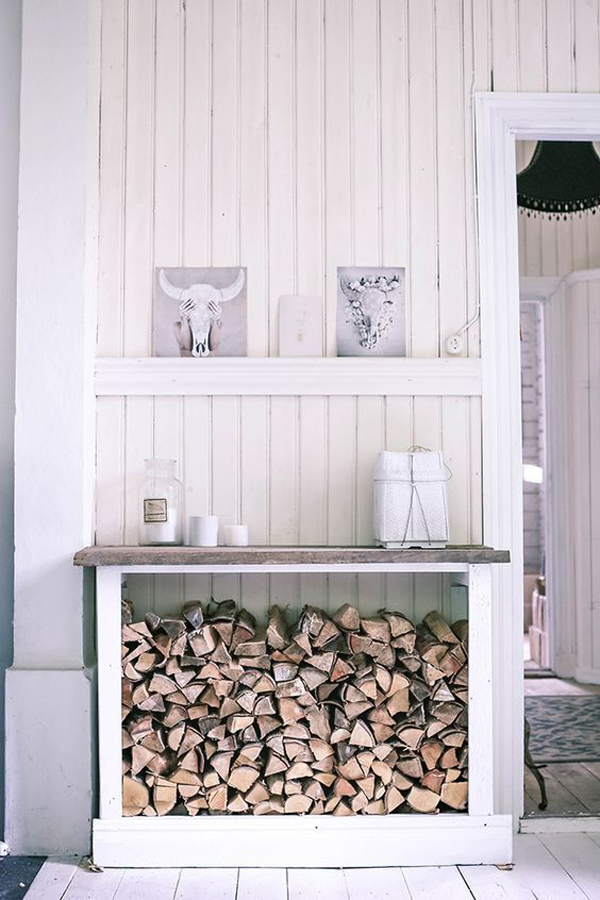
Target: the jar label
pixel 155 510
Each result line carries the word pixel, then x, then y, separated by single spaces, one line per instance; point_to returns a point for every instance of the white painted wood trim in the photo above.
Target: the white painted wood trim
pixel 302 842
pixel 54 449
pixel 500 119
pixel 298 567
pixel 585 675
pixel 108 617
pixel 560 824
pixel 481 707
pixel 277 376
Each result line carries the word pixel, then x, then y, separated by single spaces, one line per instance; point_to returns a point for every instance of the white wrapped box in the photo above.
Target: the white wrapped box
pixel 410 508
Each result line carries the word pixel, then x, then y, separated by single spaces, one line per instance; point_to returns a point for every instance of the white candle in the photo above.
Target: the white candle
pixel 204 531
pixel 235 535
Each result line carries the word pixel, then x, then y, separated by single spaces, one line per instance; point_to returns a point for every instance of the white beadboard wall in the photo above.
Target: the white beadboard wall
pixel 533 423
pixel 293 136
pixel 583 399
pixel 295 469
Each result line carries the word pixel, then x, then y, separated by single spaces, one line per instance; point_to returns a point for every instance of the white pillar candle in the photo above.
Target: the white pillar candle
pixel 204 531
pixel 235 535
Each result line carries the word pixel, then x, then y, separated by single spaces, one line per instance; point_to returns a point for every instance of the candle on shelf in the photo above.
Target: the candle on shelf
pixel 235 535
pixel 204 531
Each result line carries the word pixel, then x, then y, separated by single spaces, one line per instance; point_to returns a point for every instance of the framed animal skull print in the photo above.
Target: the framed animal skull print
pixel 200 312
pixel 371 311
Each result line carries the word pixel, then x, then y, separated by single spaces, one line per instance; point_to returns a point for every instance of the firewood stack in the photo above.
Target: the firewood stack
pixel 338 715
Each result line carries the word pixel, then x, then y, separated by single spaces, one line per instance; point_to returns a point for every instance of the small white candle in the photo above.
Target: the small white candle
pixel 204 531
pixel 235 535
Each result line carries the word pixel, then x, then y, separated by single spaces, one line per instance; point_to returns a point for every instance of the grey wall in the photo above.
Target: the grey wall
pixel 10 70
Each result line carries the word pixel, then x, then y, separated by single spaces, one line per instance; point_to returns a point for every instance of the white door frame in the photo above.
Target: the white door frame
pixel 500 120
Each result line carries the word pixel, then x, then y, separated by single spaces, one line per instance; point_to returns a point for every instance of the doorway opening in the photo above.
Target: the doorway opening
pixel 560 390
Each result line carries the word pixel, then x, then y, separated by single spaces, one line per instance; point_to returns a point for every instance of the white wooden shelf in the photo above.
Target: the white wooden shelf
pixel 475 837
pixel 343 376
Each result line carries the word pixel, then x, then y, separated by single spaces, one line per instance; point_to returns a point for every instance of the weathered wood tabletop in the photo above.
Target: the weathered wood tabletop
pixel 285 556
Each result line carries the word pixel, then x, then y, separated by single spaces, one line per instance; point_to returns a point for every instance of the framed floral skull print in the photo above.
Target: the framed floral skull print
pixel 371 311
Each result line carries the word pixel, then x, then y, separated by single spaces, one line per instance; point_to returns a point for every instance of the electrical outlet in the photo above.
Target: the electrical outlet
pixel 454 344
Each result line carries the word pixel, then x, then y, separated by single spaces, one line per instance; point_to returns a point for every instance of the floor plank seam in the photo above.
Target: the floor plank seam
pixel 466 883
pixel 175 892
pixel 554 857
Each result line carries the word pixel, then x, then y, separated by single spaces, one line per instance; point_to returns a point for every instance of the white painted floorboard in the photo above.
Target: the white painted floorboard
pixel 443 883
pixel 316 884
pixel 53 879
pixel 205 884
pixel 258 884
pixel 85 885
pixel 376 884
pixel 547 867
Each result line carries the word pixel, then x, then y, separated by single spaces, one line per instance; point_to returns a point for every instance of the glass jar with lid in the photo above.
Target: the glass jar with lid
pixel 160 504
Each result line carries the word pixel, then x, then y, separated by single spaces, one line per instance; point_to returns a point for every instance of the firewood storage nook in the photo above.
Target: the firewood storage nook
pixel 388 830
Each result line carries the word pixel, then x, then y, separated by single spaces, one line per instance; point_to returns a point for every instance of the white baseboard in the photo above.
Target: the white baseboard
pixel 559 824
pixel 587 676
pixel 304 842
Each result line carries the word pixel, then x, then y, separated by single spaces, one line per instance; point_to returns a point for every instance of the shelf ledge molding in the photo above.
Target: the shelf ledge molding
pixel 253 376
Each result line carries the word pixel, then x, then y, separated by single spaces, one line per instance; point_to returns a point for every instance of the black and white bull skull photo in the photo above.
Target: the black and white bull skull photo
pixel 371 319
pixel 200 312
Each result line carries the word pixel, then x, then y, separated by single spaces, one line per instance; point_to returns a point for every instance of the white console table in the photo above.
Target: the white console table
pixel 478 836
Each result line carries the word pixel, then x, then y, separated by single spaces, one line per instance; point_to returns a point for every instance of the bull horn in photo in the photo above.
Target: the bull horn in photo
pixel 231 292
pixel 168 288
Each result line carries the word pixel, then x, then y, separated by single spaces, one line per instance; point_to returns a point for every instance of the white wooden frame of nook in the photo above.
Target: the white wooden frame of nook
pixel 476 837
pixel 500 120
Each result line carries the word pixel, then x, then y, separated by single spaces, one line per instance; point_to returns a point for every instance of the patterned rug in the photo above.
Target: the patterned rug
pixel 564 729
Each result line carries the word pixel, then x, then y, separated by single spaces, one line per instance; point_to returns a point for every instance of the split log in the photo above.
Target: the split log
pixel 135 796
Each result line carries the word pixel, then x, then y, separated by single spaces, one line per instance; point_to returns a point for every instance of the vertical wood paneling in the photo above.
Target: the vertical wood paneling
pixel 139 252
pixel 340 499
pixel 427 430
pixel 110 470
pixel 253 119
pixel 594 470
pixel 393 77
pixel 281 158
pixel 197 131
pixel 366 147
pixel 168 154
pixel 308 274
pixel 532 45
pixel 586 29
pixel 422 275
pixel 505 45
pixel 294 137
pixel 225 134
pixel 312 513
pixel 168 444
pixel 254 490
pixel 370 438
pixel 559 44
pixel 578 321
pixel 139 437
pixel 451 175
pixel 226 478
pixel 197 476
pixel 339 248
pixel 475 473
pixel 113 152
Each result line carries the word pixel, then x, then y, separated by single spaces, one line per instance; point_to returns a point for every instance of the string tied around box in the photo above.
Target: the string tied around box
pixel 410 506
